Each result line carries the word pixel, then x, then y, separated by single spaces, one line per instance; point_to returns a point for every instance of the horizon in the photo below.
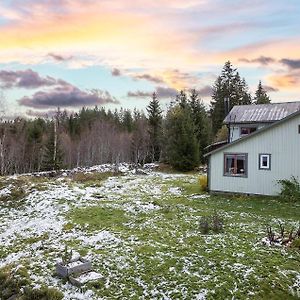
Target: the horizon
pixel 74 53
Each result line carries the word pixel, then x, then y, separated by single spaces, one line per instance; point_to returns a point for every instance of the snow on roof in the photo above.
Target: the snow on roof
pixel 261 113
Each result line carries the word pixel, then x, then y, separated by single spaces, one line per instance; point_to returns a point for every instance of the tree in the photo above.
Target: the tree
pixel 229 90
pixel 261 96
pixel 140 142
pixel 182 148
pixel 154 123
pixel 181 99
pixel 53 155
pixel 201 121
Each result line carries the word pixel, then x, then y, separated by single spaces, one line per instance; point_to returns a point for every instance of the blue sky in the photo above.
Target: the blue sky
pixel 75 53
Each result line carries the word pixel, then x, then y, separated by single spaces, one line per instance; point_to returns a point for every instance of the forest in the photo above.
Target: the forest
pixel 97 135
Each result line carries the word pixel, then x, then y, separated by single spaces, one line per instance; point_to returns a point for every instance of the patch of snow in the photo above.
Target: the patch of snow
pixel 197 196
pixel 175 191
pixel 103 238
pixel 140 207
pixel 202 294
pixel 6 191
pixel 86 277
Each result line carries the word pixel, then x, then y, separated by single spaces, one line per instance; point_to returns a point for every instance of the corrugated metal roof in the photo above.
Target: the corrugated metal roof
pixel 261 113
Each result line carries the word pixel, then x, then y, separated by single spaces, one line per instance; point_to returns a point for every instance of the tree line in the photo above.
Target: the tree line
pixel 96 135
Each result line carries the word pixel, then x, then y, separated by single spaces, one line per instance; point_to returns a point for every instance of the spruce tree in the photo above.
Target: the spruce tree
pixel 261 96
pixel 182 148
pixel 229 90
pixel 201 121
pixel 154 122
pixel 181 99
pixel 53 155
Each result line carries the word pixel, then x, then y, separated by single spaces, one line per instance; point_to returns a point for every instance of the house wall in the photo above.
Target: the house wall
pixel 282 142
pixel 235 129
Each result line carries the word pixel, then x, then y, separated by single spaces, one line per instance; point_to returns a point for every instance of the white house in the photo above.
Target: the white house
pixel 264 147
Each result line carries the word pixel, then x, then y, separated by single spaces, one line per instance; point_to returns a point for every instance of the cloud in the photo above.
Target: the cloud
pixel 206 91
pixel 270 89
pixel 162 92
pixel 139 94
pixel 60 58
pixel 286 81
pixel 263 60
pixel 166 92
pixel 67 96
pixel 149 77
pixel 27 79
pixel 291 63
pixel 116 72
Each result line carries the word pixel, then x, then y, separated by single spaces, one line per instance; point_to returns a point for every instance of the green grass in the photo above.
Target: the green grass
pixel 92 179
pixel 98 218
pixel 173 240
pixel 162 251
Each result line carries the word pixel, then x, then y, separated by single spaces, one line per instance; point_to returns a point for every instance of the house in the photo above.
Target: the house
pixel 263 147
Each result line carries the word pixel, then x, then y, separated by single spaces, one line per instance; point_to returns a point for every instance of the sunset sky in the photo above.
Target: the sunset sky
pixel 74 53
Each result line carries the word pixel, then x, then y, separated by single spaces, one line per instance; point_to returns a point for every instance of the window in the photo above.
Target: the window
pixel 299 129
pixel 247 130
pixel 235 164
pixel 264 161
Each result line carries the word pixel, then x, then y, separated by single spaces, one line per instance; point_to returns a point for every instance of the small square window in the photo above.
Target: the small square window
pixel 264 161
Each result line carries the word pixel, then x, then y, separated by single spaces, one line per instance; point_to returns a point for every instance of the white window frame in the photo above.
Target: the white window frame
pixel 261 157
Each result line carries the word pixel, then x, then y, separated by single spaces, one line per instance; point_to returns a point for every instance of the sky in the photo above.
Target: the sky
pixel 116 53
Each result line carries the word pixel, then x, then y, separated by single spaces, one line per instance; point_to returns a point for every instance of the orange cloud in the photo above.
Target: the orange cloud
pixel 285 81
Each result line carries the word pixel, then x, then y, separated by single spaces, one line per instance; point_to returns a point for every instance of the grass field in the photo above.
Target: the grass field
pixel 143 236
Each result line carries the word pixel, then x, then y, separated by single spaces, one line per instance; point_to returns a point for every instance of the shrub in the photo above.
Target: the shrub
pixel 290 189
pixel 212 223
pixel 217 223
pixel 203 182
pixel 15 285
pixel 204 225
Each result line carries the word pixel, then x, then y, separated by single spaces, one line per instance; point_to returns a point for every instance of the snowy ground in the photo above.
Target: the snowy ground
pixel 141 232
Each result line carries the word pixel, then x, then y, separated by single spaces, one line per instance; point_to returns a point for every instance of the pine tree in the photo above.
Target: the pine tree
pixel 261 96
pixel 154 122
pixel 53 154
pixel 182 148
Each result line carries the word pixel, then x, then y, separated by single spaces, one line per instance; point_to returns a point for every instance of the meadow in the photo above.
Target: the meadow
pixel 143 235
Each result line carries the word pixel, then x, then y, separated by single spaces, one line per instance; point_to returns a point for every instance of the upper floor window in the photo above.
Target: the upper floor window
pixel 247 130
pixel 235 164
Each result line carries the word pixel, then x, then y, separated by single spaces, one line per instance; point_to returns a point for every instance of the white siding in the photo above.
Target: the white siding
pixel 282 142
pixel 235 129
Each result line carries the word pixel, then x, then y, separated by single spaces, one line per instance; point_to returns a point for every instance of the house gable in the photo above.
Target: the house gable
pixel 272 154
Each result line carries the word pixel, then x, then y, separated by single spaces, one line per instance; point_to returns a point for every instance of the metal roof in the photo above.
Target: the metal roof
pixel 261 113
